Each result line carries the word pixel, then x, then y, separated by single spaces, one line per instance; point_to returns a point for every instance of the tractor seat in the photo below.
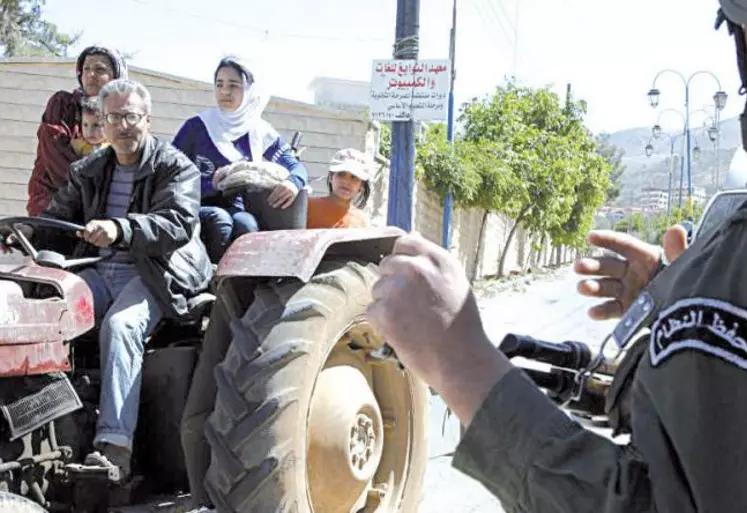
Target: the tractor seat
pixel 176 331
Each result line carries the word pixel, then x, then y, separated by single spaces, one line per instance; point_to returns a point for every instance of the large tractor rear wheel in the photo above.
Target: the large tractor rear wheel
pixel 305 420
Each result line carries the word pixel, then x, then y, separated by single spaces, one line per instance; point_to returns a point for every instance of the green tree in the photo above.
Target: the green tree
pixel 523 154
pixel 634 222
pixel 23 32
pixel 475 172
pixel 661 222
pixel 447 168
pixel 590 194
pixel 613 155
pixel 542 157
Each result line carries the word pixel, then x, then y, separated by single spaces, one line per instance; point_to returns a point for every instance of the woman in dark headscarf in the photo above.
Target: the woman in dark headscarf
pixel 60 124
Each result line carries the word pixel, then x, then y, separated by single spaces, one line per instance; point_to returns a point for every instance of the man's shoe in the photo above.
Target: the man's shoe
pixel 114 458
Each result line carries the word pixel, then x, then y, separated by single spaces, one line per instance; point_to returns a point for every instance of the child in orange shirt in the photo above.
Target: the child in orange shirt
pixel 92 129
pixel 348 192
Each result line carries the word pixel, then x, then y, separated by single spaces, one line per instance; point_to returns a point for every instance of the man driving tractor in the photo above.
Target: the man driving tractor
pixel 139 201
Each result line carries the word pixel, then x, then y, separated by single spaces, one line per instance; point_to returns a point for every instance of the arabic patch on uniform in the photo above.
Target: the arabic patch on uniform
pixel 708 325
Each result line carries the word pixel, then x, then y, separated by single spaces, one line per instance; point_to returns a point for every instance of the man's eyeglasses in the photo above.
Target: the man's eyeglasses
pixel 131 118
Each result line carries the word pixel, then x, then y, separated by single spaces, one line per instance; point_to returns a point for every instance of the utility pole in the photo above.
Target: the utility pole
pixel 402 176
pixel 449 199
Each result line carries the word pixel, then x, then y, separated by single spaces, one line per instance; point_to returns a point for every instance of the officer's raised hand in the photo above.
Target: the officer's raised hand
pixel 425 309
pixel 621 280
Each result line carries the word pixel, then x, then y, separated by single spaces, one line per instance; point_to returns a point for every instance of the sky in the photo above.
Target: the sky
pixel 609 52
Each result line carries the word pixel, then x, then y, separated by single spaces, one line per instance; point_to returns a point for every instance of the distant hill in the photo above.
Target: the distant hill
pixel 642 171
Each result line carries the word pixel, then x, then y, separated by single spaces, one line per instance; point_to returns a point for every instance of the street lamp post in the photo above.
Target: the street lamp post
pixel 714 135
pixel 719 99
pixel 656 132
pixel 710 128
pixel 649 149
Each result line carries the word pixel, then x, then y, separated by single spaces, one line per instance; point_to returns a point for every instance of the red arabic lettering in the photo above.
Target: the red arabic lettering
pixel 420 82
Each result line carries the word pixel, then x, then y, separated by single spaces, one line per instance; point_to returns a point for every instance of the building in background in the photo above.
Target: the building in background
pixel 656 199
pixel 653 199
pixel 699 195
pixel 337 93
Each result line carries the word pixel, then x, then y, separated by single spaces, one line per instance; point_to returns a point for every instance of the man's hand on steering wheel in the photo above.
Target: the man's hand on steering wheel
pixel 100 232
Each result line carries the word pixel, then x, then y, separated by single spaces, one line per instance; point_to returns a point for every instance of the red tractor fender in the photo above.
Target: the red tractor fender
pixel 34 332
pixel 297 253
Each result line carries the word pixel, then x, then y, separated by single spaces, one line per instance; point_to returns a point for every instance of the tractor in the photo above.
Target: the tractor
pixel 313 413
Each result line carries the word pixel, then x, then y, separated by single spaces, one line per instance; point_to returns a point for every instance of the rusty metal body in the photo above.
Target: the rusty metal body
pixel 298 253
pixel 49 389
pixel 34 331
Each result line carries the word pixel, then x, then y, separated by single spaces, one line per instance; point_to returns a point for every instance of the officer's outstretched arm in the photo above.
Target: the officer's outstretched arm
pixel 689 449
pixel 534 458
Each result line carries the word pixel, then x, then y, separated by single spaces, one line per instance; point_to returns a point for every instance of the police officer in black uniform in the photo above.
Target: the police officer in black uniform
pixel 681 390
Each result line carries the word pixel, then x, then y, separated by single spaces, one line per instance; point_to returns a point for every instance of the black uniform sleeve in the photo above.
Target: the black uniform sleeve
pixel 534 458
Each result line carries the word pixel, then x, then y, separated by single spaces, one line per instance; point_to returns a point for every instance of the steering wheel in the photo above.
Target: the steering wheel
pixel 45 257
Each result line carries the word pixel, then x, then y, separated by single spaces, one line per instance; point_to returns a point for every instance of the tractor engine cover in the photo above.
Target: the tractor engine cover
pixel 41 309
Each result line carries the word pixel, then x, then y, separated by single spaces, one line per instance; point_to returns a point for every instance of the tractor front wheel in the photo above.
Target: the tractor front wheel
pixel 305 419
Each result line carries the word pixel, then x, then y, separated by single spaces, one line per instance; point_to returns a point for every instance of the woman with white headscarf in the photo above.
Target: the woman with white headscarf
pixel 232 132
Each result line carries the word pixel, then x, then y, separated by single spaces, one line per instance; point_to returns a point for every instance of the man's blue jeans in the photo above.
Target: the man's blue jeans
pixel 128 313
pixel 220 226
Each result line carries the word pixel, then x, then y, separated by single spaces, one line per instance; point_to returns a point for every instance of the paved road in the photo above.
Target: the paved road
pixel 548 308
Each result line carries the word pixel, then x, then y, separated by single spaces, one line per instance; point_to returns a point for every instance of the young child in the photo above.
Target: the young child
pixel 348 192
pixel 92 129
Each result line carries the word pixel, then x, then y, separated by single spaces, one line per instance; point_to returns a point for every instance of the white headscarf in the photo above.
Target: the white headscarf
pixel 225 127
